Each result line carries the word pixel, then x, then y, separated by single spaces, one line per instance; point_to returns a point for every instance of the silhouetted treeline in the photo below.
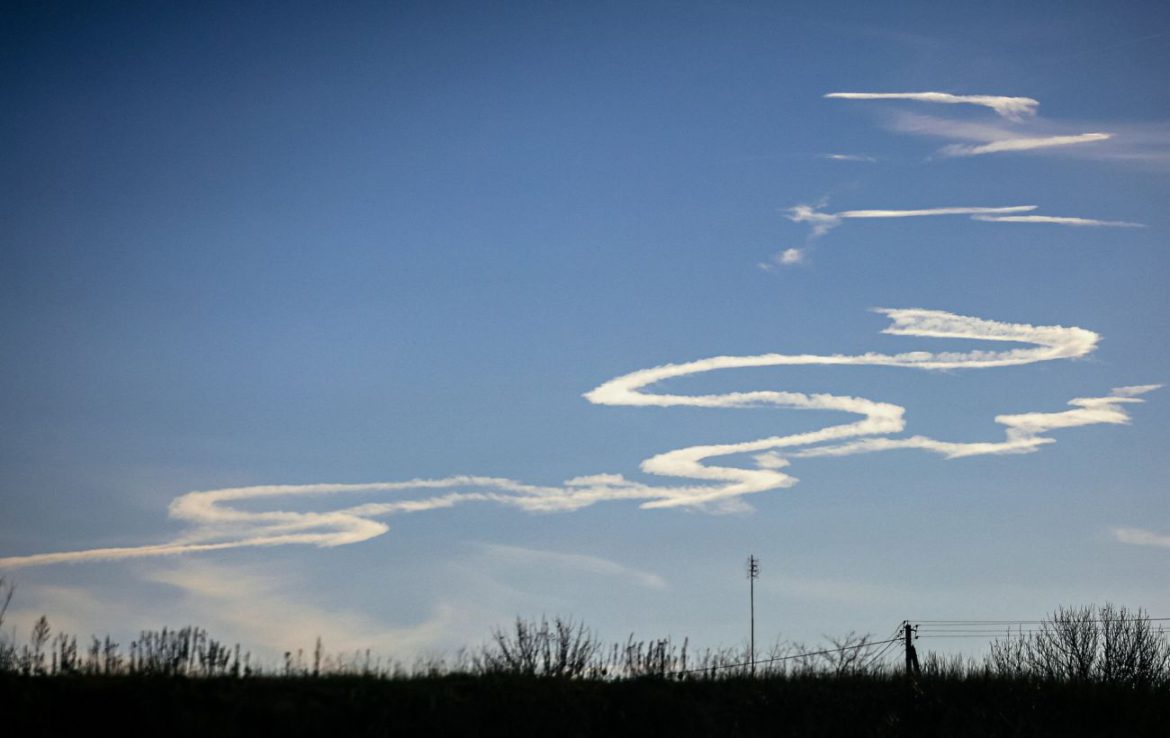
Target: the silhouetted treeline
pixel 1086 644
pixel 1085 671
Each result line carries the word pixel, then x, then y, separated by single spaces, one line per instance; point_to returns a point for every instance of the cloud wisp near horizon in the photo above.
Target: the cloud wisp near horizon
pixel 217 522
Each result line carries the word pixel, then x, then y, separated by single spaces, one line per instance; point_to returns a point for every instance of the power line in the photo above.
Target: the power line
pixel 782 658
pixel 978 629
pixel 937 629
pixel 988 633
pixel 1035 622
pixel 1007 629
pixel 984 637
pixel 894 638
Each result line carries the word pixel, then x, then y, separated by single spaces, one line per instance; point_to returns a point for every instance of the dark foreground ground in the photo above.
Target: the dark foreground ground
pixel 466 705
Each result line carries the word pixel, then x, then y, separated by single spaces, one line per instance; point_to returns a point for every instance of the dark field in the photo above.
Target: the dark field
pixel 516 705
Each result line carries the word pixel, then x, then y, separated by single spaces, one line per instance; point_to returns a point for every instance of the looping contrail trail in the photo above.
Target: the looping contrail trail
pixel 216 522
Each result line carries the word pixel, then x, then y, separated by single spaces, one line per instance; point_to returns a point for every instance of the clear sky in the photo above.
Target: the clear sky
pixel 430 248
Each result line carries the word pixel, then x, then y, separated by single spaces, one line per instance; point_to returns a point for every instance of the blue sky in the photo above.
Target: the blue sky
pixel 302 244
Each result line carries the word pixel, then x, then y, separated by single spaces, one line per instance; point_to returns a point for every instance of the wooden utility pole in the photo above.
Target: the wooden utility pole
pixel 911 654
pixel 753 574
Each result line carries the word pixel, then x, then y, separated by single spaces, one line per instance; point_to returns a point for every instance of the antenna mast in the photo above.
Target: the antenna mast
pixel 753 571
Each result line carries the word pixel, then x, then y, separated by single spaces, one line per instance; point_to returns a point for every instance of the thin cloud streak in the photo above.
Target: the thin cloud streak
pixel 1147 144
pixel 1058 220
pixel 1141 537
pixel 850 157
pixel 823 222
pixel 577 562
pixel 215 524
pixel 931 211
pixel 1013 108
pixel 1022 144
pixel 997 136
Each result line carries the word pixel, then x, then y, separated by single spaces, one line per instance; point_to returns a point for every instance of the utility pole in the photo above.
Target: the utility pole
pixel 911 654
pixel 753 574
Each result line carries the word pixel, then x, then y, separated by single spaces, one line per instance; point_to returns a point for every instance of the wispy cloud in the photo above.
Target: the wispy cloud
pixel 849 157
pixel 791 256
pixel 571 561
pixel 1008 107
pixel 1058 220
pixel 932 211
pixel 823 222
pixel 1149 144
pixel 1018 129
pixel 216 521
pixel 271 610
pixel 1141 537
pixel 963 130
pixel 1022 144
pixel 785 258
pixel 834 591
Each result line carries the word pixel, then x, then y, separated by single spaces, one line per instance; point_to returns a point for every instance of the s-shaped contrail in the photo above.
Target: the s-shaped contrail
pixel 216 524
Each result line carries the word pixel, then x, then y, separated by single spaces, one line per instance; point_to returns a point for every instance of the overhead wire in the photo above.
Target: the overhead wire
pixel 757 662
pixel 889 644
pixel 1034 622
pixel 1000 629
pixel 937 629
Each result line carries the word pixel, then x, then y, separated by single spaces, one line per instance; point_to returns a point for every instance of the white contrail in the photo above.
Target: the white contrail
pixel 1022 144
pixel 1007 107
pixel 932 211
pixel 1024 431
pixel 216 524
pixel 823 222
pixel 1058 220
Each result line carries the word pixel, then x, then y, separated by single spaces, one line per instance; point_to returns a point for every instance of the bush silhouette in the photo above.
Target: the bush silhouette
pixel 1108 644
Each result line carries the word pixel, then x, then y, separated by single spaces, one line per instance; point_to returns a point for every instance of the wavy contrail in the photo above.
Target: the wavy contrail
pixel 215 524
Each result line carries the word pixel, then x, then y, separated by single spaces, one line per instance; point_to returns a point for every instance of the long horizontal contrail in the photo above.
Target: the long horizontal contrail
pixel 1059 220
pixel 823 222
pixel 216 522
pixel 1007 107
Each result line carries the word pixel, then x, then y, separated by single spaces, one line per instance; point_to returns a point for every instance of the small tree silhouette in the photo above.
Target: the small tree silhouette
pixel 37 640
pixel 7 649
pixel 560 649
